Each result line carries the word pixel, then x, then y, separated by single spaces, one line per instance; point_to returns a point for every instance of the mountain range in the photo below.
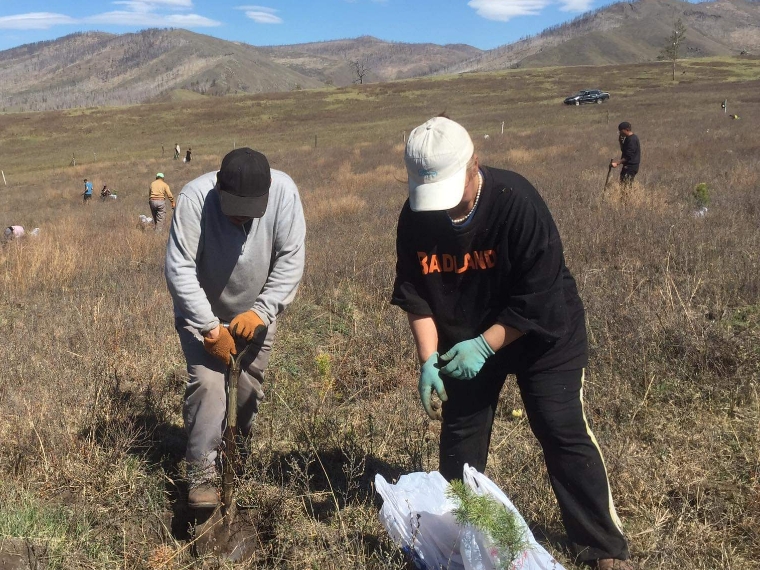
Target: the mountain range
pixel 95 68
pixel 631 32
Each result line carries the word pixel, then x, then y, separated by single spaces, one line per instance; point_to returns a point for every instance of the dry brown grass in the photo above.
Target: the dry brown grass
pixel 92 375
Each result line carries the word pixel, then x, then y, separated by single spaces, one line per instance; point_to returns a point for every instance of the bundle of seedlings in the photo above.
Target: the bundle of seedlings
pixel 499 526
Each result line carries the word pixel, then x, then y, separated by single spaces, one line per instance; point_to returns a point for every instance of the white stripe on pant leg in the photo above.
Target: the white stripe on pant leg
pixel 613 512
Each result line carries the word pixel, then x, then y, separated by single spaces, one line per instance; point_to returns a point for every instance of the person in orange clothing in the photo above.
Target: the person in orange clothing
pixel 159 194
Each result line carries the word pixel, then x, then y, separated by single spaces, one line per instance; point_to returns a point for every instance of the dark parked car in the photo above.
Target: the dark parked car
pixel 587 96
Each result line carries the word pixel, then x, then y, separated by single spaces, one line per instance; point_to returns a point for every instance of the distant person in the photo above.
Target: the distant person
pixel 13 232
pixel 235 255
pixel 105 192
pixel 159 194
pixel 630 156
pixel 481 274
pixel 176 151
pixel 87 194
pixel 187 154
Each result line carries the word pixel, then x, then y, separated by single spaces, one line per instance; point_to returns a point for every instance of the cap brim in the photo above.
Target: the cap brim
pixel 436 196
pixel 243 206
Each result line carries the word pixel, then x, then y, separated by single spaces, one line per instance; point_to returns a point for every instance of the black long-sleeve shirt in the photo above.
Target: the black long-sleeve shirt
pixel 630 150
pixel 505 266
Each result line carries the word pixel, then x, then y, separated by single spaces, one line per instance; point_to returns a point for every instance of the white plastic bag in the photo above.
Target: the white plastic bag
pixel 418 517
pixel 535 557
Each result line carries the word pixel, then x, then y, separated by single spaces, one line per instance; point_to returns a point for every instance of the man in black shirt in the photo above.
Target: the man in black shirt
pixel 481 274
pixel 630 154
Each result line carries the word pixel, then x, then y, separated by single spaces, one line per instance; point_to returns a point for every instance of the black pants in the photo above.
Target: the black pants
pixel 627 174
pixel 553 402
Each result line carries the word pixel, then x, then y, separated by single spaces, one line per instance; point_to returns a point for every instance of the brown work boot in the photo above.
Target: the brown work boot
pixel 203 496
pixel 613 564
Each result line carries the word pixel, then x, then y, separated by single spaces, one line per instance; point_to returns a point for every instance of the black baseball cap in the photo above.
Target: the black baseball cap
pixel 624 126
pixel 243 183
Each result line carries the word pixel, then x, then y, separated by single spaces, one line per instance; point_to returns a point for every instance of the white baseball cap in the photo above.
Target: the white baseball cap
pixel 436 158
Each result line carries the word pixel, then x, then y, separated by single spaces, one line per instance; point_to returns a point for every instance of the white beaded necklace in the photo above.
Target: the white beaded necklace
pixel 466 217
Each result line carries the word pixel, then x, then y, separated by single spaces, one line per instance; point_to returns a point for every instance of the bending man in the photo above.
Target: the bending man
pixel 481 273
pixel 159 193
pixel 235 255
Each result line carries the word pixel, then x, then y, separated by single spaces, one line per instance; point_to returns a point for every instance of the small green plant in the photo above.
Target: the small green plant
pixel 701 195
pixel 324 371
pixel 491 518
pixel 324 365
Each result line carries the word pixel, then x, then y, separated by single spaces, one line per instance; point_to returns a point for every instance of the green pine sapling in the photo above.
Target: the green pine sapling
pixel 491 518
pixel 701 195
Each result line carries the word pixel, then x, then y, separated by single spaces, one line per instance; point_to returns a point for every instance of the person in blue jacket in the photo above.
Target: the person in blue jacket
pixel 87 194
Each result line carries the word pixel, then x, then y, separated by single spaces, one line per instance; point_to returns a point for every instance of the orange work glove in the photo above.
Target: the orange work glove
pixel 222 346
pixel 247 325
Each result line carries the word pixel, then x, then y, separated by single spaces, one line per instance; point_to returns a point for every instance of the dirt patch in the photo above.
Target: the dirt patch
pixel 18 554
pixel 233 539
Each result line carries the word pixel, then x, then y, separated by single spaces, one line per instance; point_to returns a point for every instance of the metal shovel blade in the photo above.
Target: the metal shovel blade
pixel 223 538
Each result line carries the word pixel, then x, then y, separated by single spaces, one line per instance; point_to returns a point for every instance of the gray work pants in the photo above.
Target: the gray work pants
pixel 158 211
pixel 206 401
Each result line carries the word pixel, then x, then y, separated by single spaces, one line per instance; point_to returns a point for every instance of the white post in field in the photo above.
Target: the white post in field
pixel 4 182
pixel 502 127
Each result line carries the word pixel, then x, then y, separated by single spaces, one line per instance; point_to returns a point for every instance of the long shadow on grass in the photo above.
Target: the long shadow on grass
pixel 331 478
pixel 134 422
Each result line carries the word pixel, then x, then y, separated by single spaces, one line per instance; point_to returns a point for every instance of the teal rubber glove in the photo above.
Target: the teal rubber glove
pixel 466 358
pixel 430 380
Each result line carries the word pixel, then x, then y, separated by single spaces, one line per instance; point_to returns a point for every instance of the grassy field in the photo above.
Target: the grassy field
pixel 91 435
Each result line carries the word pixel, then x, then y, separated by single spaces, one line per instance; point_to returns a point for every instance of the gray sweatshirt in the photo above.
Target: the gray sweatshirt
pixel 216 270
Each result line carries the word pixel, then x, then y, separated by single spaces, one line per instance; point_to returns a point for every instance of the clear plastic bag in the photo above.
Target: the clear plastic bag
pixel 418 516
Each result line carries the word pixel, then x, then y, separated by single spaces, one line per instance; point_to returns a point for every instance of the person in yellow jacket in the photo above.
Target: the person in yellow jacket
pixel 159 193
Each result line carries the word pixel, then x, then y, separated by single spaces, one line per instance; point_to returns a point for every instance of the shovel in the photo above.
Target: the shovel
pixel 223 533
pixel 607 180
pixel 230 436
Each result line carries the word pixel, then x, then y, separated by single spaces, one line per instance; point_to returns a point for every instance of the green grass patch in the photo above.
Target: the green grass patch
pixel 54 530
pixel 349 95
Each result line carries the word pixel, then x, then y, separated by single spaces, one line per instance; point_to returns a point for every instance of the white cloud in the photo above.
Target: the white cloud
pixel 146 13
pixel 191 21
pixel 150 19
pixel 34 21
pixel 504 10
pixel 576 5
pixel 151 5
pixel 261 14
pixel 263 17
pixel 149 13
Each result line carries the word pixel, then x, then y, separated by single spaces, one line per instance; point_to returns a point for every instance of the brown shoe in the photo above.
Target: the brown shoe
pixel 203 496
pixel 613 564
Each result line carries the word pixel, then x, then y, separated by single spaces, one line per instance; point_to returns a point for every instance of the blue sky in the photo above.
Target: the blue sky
pixel 481 23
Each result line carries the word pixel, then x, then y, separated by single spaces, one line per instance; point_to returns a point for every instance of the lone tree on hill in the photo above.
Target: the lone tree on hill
pixel 360 69
pixel 670 51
